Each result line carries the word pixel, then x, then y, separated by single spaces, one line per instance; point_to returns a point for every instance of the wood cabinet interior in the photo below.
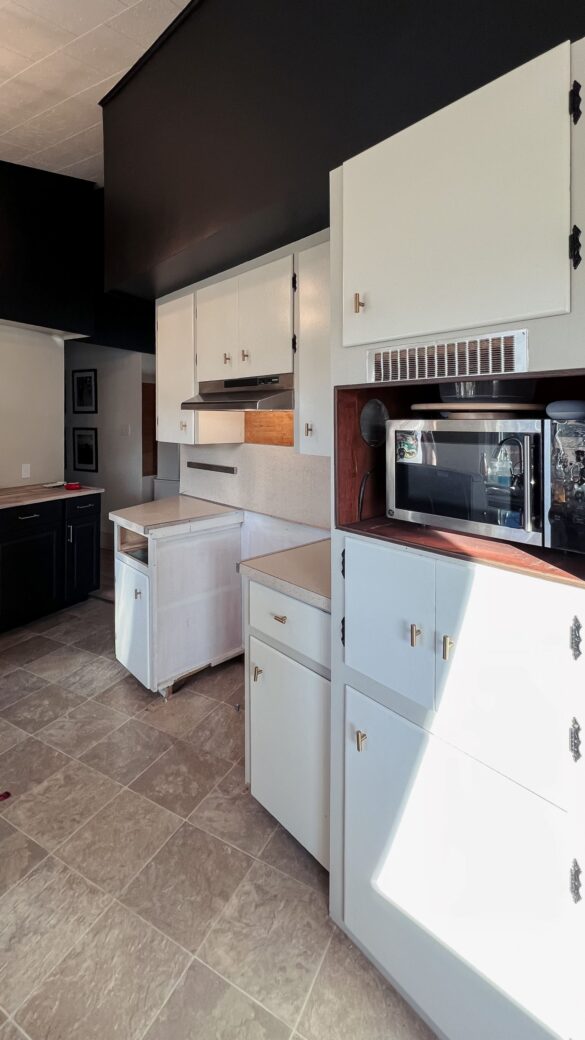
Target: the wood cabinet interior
pixel 133 544
pixel 270 428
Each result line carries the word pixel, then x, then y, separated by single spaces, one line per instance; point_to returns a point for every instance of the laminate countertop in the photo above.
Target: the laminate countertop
pixel 163 512
pixel 303 572
pixel 32 493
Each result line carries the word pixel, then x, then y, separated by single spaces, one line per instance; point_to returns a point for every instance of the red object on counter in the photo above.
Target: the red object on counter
pixel 4 796
pixel 73 485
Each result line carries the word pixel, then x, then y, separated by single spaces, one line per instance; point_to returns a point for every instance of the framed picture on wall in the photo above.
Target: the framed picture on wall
pixel 85 448
pixel 84 385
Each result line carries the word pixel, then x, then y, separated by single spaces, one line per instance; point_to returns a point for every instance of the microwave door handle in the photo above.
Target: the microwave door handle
pixel 528 489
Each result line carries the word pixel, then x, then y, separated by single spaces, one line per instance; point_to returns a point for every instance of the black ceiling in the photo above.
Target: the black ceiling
pixel 219 146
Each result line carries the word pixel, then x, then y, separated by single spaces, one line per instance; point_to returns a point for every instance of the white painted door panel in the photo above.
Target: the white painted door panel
pixel 511 685
pixel 315 396
pixel 387 591
pixel 463 218
pixel 289 745
pixel 175 369
pixel 475 862
pixel 133 621
pixel 265 316
pixel 217 330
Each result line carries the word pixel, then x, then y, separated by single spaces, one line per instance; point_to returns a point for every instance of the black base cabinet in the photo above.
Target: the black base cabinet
pixel 49 557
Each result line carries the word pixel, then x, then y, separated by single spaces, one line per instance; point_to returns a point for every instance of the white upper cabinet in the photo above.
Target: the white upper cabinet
pixel 314 390
pixel 175 369
pixel 463 219
pixel 245 324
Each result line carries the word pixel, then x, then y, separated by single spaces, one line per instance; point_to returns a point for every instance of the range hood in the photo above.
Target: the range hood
pixel 268 393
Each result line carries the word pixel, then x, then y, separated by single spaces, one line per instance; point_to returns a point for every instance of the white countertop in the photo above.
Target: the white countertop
pixel 166 511
pixel 303 572
pixel 27 496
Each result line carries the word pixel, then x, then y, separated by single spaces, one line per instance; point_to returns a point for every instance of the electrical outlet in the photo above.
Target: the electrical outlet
pixel 25 470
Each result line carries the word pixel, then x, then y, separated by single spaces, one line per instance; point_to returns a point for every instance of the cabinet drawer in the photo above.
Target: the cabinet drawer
pixel 297 625
pixel 82 506
pixel 27 518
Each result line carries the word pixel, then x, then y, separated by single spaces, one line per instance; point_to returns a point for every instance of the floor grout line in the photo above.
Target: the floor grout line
pixel 239 989
pixel 168 997
pixel 312 985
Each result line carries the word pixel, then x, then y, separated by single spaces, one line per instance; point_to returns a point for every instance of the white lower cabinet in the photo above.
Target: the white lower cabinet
pixel 457 882
pixel 289 745
pixel 133 620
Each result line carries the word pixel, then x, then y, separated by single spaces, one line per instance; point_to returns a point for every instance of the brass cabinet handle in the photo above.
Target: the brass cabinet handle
pixel 245 355
pixel 360 739
pixel 227 358
pixel 281 618
pixel 357 303
pixel 448 645
pixel 415 632
pixel 257 673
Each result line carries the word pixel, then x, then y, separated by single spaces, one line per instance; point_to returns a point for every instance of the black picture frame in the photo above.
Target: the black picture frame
pixel 85 449
pixel 84 391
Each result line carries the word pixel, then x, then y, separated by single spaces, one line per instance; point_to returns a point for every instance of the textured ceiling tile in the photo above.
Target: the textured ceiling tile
pixel 146 20
pixel 90 169
pixel 77 16
pixel 32 140
pixel 20 101
pixel 26 34
pixel 72 149
pixel 65 119
pixel 106 50
pixel 11 152
pixel 60 75
pixel 11 63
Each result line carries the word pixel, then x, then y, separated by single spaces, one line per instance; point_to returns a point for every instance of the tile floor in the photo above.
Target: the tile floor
pixel 144 894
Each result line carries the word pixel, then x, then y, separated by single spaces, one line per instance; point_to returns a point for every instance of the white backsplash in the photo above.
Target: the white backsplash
pixel 272 480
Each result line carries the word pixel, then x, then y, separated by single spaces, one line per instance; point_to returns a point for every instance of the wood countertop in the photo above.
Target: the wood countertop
pixel 164 512
pixel 303 572
pixel 27 496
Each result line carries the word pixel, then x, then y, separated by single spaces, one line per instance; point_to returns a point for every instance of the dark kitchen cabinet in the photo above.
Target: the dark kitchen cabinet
pixel 82 547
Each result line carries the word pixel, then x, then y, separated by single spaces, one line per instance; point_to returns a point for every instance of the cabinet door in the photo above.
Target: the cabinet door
pixel 315 398
pixel 510 685
pixel 31 575
pixel 175 369
pixel 390 618
pixel 289 745
pixel 462 219
pixel 265 319
pixel 455 875
pixel 217 330
pixel 133 621
pixel 82 558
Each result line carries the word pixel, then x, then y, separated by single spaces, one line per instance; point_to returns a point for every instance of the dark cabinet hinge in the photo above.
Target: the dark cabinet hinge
pixel 343 631
pixel 343 563
pixel 575 740
pixel 294 344
pixel 575 882
pixel 575 101
pixel 575 246
pixel 294 282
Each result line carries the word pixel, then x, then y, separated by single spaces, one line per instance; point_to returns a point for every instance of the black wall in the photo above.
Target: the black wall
pixel 218 148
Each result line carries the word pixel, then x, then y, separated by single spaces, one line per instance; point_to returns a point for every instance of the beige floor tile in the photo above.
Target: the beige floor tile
pixel 231 813
pixel 351 1001
pixel 100 642
pixel 179 715
pixel 39 709
pixel 94 678
pixel 95 609
pixel 111 984
pixel 13 636
pixel 61 662
pixel 18 684
pixel 28 764
pixel 69 629
pixel 221 733
pixel 9 736
pixel 40 919
pixel 44 624
pixel 270 939
pixel 76 732
pixel 18 855
pixel 11 1032
pixel 285 853
pixel 225 682
pixel 128 751
pixel 205 1007
pixel 52 810
pixel 112 847
pixel 187 884
pixel 26 652
pixel 128 696
pixel 181 778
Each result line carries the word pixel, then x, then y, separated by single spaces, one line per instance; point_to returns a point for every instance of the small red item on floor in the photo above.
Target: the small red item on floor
pixel 4 796
pixel 73 485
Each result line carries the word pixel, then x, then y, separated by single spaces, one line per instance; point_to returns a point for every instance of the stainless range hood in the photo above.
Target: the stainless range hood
pixel 268 393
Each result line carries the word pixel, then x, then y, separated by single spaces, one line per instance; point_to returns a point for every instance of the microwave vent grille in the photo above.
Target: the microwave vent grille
pixel 495 354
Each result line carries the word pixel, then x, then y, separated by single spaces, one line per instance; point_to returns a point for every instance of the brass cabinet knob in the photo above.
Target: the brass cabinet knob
pixel 281 618
pixel 415 633
pixel 448 645
pixel 360 739
pixel 257 673
pixel 358 304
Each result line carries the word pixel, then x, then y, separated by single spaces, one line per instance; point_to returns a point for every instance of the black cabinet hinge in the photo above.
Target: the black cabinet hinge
pixel 343 631
pixel 294 282
pixel 294 344
pixel 575 246
pixel 575 101
pixel 343 563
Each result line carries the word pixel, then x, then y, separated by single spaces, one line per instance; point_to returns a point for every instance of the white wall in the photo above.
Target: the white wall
pixel 31 406
pixel 119 426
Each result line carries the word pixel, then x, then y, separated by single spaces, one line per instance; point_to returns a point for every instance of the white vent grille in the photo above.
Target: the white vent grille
pixel 457 358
